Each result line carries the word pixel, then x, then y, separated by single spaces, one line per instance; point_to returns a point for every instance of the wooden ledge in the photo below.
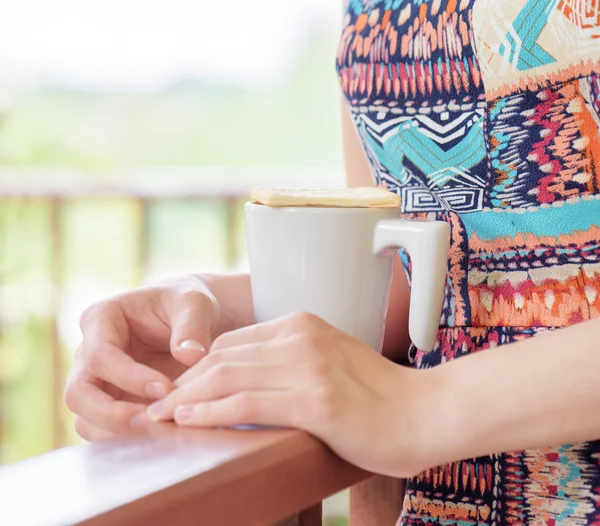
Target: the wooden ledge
pixel 170 475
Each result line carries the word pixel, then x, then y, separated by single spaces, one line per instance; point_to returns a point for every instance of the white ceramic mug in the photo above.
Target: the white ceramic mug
pixel 337 263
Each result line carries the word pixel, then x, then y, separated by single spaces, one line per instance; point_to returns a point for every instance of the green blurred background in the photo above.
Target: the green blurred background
pixel 130 133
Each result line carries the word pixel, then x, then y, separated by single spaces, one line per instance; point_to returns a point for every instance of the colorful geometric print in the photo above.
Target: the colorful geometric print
pixel 407 49
pixel 544 145
pixel 529 44
pixel 486 114
pixel 553 475
pixel 434 153
pixel 454 342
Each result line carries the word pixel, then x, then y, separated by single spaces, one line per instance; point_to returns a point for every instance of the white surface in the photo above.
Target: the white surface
pixel 332 262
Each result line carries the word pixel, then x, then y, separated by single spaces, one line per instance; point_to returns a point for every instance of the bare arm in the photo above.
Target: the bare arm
pixel 541 392
pixel 397 339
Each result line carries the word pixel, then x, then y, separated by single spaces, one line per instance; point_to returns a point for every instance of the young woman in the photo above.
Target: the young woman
pixel 482 113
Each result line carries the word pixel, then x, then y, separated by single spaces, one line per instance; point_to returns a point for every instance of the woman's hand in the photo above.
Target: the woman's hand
pixel 133 346
pixel 300 372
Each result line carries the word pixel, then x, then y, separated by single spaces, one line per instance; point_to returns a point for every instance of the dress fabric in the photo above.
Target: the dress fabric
pixel 485 114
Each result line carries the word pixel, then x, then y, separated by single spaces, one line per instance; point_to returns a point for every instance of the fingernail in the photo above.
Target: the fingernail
pixel 184 412
pixel 156 390
pixel 139 420
pixel 193 345
pixel 155 411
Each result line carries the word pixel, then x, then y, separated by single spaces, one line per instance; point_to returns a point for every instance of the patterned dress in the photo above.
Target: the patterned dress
pixel 485 113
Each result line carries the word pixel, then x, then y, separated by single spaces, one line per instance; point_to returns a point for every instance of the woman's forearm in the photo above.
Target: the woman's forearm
pixel 541 392
pixel 234 297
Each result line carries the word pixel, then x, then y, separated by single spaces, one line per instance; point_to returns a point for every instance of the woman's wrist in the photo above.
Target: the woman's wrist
pixel 435 414
pixel 445 427
pixel 438 410
pixel 415 415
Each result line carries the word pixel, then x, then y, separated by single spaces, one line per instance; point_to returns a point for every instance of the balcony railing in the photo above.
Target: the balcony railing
pixel 180 477
pixel 169 475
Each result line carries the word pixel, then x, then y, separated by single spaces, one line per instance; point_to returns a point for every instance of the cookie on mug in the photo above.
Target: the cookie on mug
pixel 362 197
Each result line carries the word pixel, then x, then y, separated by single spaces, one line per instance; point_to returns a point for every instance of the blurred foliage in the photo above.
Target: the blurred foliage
pixel 189 123
pixel 25 361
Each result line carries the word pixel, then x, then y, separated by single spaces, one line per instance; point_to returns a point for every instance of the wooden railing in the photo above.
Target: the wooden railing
pixel 173 476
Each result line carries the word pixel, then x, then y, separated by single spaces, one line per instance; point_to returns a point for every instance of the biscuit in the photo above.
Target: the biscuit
pixel 363 197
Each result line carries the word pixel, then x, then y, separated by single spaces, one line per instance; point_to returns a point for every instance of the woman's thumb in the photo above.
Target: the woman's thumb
pixel 191 324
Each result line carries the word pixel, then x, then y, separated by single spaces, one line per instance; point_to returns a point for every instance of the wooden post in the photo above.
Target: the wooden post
pixel 143 244
pixel 309 517
pixel 57 359
pixel 1 335
pixel 376 501
pixel 232 256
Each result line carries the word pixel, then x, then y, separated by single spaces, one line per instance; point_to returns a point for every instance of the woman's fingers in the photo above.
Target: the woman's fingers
pixel 106 335
pixel 114 366
pixel 287 326
pixel 221 381
pixel 267 408
pixel 90 432
pixel 105 322
pixel 249 353
pixel 84 398
pixel 247 335
pixel 177 318
pixel 261 332
pixel 256 343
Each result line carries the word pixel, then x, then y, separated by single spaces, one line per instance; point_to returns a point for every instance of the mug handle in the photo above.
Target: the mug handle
pixel 427 243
